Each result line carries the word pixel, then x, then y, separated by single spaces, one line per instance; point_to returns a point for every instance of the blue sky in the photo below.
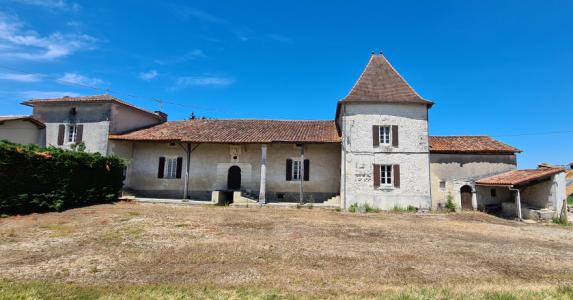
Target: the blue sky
pixel 501 68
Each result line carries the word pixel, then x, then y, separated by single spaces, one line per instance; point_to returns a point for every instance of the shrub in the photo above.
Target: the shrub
pixel 450 203
pixel 561 221
pixel 362 208
pixel 353 207
pixel 35 179
pixel 409 208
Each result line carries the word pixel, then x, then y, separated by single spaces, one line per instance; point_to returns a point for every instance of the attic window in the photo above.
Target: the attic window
pixel 493 192
pixel 73 111
pixel 442 185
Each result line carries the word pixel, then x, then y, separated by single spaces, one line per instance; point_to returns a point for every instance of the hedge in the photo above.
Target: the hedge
pixel 35 179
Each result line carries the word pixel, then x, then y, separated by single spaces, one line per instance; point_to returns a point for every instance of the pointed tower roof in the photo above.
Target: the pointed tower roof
pixel 380 82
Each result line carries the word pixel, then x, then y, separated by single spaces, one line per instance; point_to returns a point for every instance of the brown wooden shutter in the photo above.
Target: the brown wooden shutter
pixel 395 135
pixel 61 131
pixel 161 167
pixel 179 167
pixel 397 176
pixel 79 134
pixel 376 135
pixel 289 169
pixel 306 170
pixel 376 175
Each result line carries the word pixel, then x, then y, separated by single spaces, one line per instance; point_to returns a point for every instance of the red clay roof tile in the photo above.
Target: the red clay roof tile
pixel 517 177
pixel 23 118
pixel 237 131
pixel 469 144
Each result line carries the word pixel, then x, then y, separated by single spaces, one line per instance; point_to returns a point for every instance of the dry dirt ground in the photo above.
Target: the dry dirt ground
pixel 309 251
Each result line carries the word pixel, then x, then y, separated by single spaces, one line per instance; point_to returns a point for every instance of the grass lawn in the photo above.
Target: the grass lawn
pixel 131 250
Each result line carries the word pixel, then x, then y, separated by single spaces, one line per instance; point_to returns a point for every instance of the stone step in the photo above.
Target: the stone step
pixel 334 201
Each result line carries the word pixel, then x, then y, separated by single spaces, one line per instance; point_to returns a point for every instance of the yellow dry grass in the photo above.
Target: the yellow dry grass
pixel 295 251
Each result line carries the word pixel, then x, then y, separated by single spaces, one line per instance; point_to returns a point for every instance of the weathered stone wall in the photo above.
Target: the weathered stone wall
pixel 210 164
pixel 460 169
pixel 94 116
pixel 359 155
pixel 125 119
pixel 22 132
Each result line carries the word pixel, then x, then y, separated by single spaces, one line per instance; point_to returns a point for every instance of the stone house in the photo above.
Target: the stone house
pixel 377 150
pixel 22 130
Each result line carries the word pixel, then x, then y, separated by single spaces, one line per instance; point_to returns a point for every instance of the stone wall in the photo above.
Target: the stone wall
pixel 94 116
pixel 210 164
pixel 22 132
pixel 359 155
pixel 457 170
pixel 125 119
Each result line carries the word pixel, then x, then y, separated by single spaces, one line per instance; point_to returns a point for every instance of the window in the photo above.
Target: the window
pixel 296 170
pixel 493 192
pixel 385 135
pixel 442 185
pixel 72 133
pixel 385 174
pixel 171 168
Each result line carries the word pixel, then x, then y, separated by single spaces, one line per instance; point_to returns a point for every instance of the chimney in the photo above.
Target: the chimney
pixel 162 115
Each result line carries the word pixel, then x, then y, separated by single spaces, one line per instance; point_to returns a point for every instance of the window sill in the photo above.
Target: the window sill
pixel 386 188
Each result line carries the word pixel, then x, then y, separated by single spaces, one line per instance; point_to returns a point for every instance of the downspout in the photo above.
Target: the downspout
pixel 517 202
pixel 188 165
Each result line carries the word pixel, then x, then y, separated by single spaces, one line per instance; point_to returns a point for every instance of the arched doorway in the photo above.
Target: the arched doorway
pixel 234 178
pixel 466 193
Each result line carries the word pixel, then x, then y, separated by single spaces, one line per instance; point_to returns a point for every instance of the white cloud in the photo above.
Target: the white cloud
pixel 22 43
pixel 59 4
pixel 45 94
pixel 21 77
pixel 75 78
pixel 151 74
pixel 206 81
pixel 190 55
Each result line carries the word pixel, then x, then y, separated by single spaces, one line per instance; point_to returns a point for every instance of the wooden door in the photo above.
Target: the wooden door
pixel 466 193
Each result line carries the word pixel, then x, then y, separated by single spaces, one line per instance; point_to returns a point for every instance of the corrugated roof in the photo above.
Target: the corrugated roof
pixel 92 99
pixel 517 177
pixel 23 118
pixel 380 82
pixel 237 131
pixel 469 144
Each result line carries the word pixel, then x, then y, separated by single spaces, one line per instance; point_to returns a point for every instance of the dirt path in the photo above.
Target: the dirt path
pixel 288 249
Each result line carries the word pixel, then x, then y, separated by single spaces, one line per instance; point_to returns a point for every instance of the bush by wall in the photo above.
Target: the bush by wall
pixel 35 179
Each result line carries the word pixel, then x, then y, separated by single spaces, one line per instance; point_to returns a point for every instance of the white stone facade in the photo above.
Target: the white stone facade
pixel 359 155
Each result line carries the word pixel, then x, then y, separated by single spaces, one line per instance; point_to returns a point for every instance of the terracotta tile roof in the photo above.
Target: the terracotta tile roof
pixel 237 131
pixel 92 99
pixel 517 177
pixel 23 118
pixel 380 82
pixel 469 144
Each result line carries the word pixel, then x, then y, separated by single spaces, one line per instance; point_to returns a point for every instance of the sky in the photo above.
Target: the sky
pixel 498 68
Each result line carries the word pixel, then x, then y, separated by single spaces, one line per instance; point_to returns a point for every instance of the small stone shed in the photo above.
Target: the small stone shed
pixel 526 194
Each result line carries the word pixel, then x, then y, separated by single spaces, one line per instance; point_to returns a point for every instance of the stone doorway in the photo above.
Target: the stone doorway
pixel 234 178
pixel 466 195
